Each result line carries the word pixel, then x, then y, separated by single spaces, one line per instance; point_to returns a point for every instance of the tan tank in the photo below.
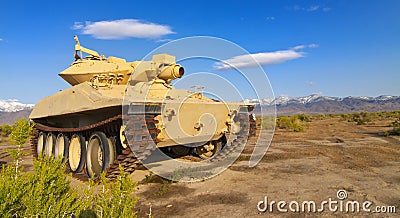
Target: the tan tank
pixel 115 109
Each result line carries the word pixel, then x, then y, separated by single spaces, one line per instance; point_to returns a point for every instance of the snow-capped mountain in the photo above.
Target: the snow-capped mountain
pixel 317 104
pixel 13 105
pixel 285 100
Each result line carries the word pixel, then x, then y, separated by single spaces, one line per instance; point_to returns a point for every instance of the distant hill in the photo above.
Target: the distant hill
pixel 10 117
pixel 317 104
pixel 11 110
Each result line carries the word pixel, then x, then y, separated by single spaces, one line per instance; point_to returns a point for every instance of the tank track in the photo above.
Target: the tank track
pixel 140 132
pixel 235 140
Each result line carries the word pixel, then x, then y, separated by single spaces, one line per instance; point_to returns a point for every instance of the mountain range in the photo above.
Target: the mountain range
pixel 318 104
pixel 13 105
pixel 12 110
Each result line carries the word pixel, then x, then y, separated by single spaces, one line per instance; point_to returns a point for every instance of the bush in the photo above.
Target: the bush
pixel 395 123
pixel 319 117
pixel 345 117
pixel 5 130
pixel 268 122
pixel 43 193
pixel 361 118
pixel 115 198
pixel 47 192
pixel 19 135
pixel 20 132
pixel 290 123
pixel 304 117
pixel 394 131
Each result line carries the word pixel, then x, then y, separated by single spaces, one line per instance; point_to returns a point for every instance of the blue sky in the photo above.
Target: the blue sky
pixel 334 48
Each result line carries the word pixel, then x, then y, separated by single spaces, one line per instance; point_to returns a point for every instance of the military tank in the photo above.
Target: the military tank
pixel 117 112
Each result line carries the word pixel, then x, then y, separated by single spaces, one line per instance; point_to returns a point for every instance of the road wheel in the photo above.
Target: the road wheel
pixel 180 150
pixel 40 143
pixel 209 150
pixel 77 153
pixel 61 147
pixel 49 145
pixel 98 154
pixel 112 145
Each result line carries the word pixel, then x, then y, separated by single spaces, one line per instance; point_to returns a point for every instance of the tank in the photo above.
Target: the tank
pixel 118 112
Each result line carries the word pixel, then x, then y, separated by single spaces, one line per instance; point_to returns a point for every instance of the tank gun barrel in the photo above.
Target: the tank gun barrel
pixel 171 72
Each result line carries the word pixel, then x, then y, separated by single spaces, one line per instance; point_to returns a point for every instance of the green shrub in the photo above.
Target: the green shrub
pixel 268 122
pixel 394 131
pixel 46 192
pixel 395 123
pixel 19 135
pixel 11 191
pixel 290 123
pixel 5 130
pixel 304 117
pixel 115 198
pixel 344 117
pixel 361 118
pixel 20 132
pixel 319 117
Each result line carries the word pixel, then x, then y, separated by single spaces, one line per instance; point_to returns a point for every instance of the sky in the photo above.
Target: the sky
pixel 330 47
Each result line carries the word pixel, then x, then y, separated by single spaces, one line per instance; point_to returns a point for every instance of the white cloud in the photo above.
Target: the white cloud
pixel 1 39
pixel 326 9
pixel 125 28
pixel 310 83
pixel 77 26
pixel 313 8
pixel 310 8
pixel 263 59
pixel 271 18
pixel 164 40
pixel 299 47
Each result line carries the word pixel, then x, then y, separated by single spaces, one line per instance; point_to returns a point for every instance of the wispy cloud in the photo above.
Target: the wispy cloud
pixel 299 47
pixel 310 83
pixel 121 29
pixel 311 8
pixel 1 39
pixel 263 59
pixel 164 40
pixel 270 18
pixel 326 9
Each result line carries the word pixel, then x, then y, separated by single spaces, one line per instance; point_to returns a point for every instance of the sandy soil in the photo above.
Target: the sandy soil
pixel 307 166
pixel 312 165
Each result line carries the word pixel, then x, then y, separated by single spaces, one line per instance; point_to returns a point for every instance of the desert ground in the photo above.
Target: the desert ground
pixel 313 165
